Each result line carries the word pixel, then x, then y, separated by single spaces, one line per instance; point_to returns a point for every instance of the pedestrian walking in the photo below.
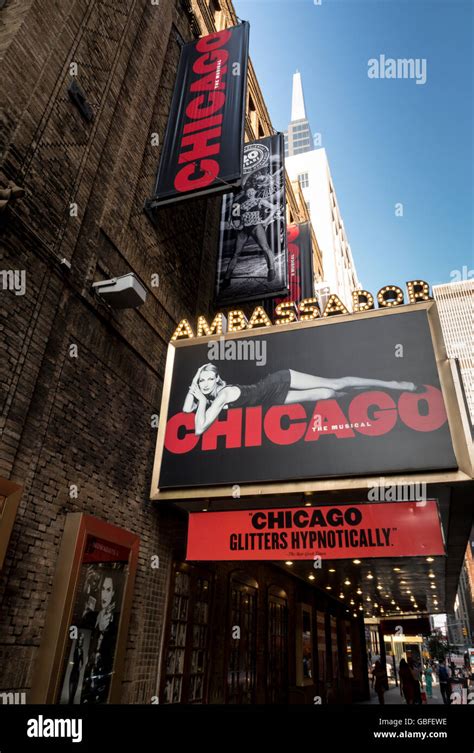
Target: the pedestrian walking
pixel 429 681
pixel 415 671
pixel 443 681
pixel 379 681
pixel 407 682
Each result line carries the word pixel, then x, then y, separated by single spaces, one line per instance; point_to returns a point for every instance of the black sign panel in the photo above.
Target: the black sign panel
pixel 356 397
pixel 300 263
pixel 202 150
pixel 252 262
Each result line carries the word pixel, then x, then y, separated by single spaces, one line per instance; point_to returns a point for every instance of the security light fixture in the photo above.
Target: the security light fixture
pixel 125 292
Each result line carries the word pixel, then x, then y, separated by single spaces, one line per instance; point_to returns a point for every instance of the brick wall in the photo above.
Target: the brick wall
pixel 86 420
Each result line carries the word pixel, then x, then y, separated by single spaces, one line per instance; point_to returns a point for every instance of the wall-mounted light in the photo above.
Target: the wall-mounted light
pixel 126 292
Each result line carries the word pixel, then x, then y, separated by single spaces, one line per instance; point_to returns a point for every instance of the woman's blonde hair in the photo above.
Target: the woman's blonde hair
pixel 220 384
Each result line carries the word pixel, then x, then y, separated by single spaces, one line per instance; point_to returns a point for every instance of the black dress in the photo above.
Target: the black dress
pixel 271 390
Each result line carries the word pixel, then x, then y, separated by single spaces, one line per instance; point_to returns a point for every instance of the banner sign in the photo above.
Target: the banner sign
pixel 400 529
pixel 341 397
pixel 202 150
pixel 300 263
pixel 252 261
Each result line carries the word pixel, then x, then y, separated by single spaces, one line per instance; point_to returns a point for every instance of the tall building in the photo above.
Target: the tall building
pixel 298 137
pixel 455 302
pixel 310 167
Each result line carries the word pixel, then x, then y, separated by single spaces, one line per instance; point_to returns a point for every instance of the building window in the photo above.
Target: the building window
pixel 303 180
pixel 277 667
pixel 217 14
pixel 186 663
pixel 253 116
pixel 242 652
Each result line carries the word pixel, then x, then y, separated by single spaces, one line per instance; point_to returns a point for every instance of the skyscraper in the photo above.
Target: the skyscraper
pixel 455 302
pixel 298 138
pixel 310 166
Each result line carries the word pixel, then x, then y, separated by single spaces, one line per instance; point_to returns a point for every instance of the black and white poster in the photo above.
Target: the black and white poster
pixel 310 402
pixel 252 262
pixel 94 628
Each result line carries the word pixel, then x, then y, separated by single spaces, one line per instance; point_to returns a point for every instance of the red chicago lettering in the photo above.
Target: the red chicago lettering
pixel 409 409
pixel 381 421
pixel 230 428
pixel 292 233
pixel 371 413
pixel 208 83
pixel 200 146
pixel 196 110
pixel 327 413
pixel 179 435
pixel 253 426
pixel 213 41
pixel 208 63
pixel 200 125
pixel 184 180
pixel 202 133
pixel 273 428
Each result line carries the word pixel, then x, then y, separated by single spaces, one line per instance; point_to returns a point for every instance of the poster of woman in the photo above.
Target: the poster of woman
pixel 328 399
pixel 94 629
pixel 252 261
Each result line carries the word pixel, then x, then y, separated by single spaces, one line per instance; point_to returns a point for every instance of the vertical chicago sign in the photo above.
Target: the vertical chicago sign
pixel 202 150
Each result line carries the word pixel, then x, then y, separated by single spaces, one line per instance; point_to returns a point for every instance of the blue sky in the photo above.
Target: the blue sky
pixel 387 141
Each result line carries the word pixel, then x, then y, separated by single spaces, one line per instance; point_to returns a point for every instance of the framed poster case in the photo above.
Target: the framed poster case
pixel 82 652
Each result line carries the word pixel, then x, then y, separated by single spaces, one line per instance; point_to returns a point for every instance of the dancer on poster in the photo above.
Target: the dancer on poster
pixel 209 394
pixel 254 215
pixel 252 261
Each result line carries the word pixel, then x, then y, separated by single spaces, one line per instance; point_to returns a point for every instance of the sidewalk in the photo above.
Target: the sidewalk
pixel 393 697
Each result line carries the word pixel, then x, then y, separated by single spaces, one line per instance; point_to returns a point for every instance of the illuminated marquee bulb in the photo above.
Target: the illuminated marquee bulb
pixel 259 318
pixel 362 300
pixel 334 306
pixel 217 327
pixel 418 290
pixel 309 309
pixel 237 321
pixel 286 312
pixel 390 295
pixel 182 330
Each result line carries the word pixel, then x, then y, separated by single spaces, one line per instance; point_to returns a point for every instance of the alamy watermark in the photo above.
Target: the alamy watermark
pixel 14 280
pixel 412 492
pixel 13 697
pixel 410 68
pixel 238 350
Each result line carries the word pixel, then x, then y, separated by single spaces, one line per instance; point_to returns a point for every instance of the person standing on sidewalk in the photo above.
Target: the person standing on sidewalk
pixel 380 681
pixel 407 682
pixel 429 681
pixel 443 676
pixel 417 677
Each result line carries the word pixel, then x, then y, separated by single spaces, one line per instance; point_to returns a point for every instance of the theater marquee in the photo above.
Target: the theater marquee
pixel 344 397
pixel 401 529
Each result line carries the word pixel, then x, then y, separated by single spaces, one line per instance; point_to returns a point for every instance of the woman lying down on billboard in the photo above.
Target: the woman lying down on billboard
pixel 208 394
